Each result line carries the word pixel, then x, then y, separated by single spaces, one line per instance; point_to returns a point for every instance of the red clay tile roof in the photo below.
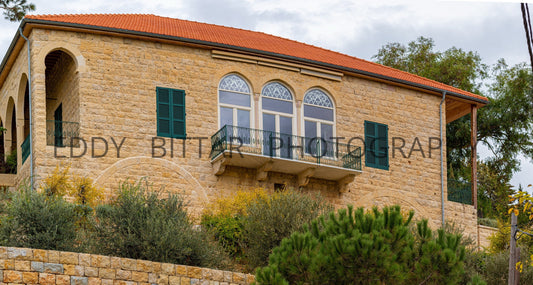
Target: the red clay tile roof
pixel 241 38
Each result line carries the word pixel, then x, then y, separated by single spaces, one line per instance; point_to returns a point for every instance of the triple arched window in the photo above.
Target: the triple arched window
pixel 277 115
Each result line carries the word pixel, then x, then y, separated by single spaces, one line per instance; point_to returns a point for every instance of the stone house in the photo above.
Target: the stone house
pixel 206 110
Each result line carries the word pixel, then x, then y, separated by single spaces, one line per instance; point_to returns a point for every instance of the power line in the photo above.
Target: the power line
pixel 527 27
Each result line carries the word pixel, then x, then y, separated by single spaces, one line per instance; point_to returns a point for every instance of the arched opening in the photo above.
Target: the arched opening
pixel 9 134
pixel 62 99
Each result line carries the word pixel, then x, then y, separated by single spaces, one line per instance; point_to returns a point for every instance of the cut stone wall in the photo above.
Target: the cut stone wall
pixel 484 235
pixel 48 267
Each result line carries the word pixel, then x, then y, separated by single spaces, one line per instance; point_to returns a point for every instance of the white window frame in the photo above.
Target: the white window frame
pixel 233 106
pixel 278 114
pixel 318 122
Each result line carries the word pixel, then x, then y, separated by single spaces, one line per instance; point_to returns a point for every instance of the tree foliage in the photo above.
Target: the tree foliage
pixel 15 10
pixel 505 125
pixel 377 247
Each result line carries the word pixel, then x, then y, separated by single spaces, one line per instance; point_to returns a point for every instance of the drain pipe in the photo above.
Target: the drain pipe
pixel 442 158
pixel 29 104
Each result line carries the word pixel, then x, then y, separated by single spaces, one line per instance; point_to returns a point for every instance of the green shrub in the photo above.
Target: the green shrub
pixel 11 162
pixel 225 217
pixel 489 222
pixel 32 219
pixel 272 218
pixel 137 224
pixel 228 231
pixel 354 247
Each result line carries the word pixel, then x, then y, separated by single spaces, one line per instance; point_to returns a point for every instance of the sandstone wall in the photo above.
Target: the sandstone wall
pixel 484 233
pixel 37 266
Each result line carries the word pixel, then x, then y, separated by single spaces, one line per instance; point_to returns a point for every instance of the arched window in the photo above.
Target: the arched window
pixel 319 122
pixel 277 105
pixel 234 101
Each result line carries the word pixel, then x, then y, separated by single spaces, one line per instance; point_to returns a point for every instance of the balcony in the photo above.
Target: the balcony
pixel 460 191
pixel 268 151
pixel 62 133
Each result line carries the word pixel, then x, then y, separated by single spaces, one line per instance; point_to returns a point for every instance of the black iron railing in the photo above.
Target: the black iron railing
pixel 279 145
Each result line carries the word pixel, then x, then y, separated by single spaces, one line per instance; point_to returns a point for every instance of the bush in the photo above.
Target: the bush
pixel 32 219
pixel 11 162
pixel 137 224
pixel 225 218
pixel 271 219
pixel 353 247
pixel 489 222
pixel 496 268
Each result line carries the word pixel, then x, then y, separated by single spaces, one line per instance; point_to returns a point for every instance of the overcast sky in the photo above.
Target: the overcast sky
pixel 358 28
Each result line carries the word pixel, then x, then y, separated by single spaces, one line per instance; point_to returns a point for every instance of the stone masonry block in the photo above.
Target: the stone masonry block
pixel 11 276
pixel 139 276
pixel 62 280
pixel 47 279
pixel 174 280
pixel 84 259
pixel 30 277
pixel 69 257
pixel 37 266
pixel 100 261
pixel 53 268
pixel 22 265
pixel 76 280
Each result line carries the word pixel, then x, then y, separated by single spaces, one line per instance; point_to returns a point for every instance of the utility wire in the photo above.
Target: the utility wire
pixel 527 27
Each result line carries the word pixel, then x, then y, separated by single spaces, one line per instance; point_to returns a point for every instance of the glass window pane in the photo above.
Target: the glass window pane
pixel 227 97
pixel 326 131
pixel 226 116
pixel 269 129
pixel 285 127
pixel 243 121
pixel 310 137
pixel 243 118
pixel 327 143
pixel 277 105
pixel 318 113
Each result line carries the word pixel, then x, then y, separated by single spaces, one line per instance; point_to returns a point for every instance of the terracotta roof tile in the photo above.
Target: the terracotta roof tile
pixel 241 38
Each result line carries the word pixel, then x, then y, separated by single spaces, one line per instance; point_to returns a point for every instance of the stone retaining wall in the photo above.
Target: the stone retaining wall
pixel 36 266
pixel 484 233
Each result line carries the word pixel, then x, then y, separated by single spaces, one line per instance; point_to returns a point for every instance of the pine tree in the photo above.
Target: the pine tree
pixel 376 247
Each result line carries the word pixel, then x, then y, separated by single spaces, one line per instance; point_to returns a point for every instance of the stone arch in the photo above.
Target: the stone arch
pixel 173 171
pixel 69 49
pixel 23 104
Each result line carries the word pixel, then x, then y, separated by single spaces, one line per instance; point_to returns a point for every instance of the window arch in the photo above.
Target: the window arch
pixel 234 101
pixel 319 122
pixel 277 106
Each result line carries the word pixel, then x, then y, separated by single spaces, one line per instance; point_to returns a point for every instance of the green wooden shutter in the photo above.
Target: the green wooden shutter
pixel 171 113
pixel 178 114
pixel 376 145
pixel 370 142
pixel 163 112
pixel 382 147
